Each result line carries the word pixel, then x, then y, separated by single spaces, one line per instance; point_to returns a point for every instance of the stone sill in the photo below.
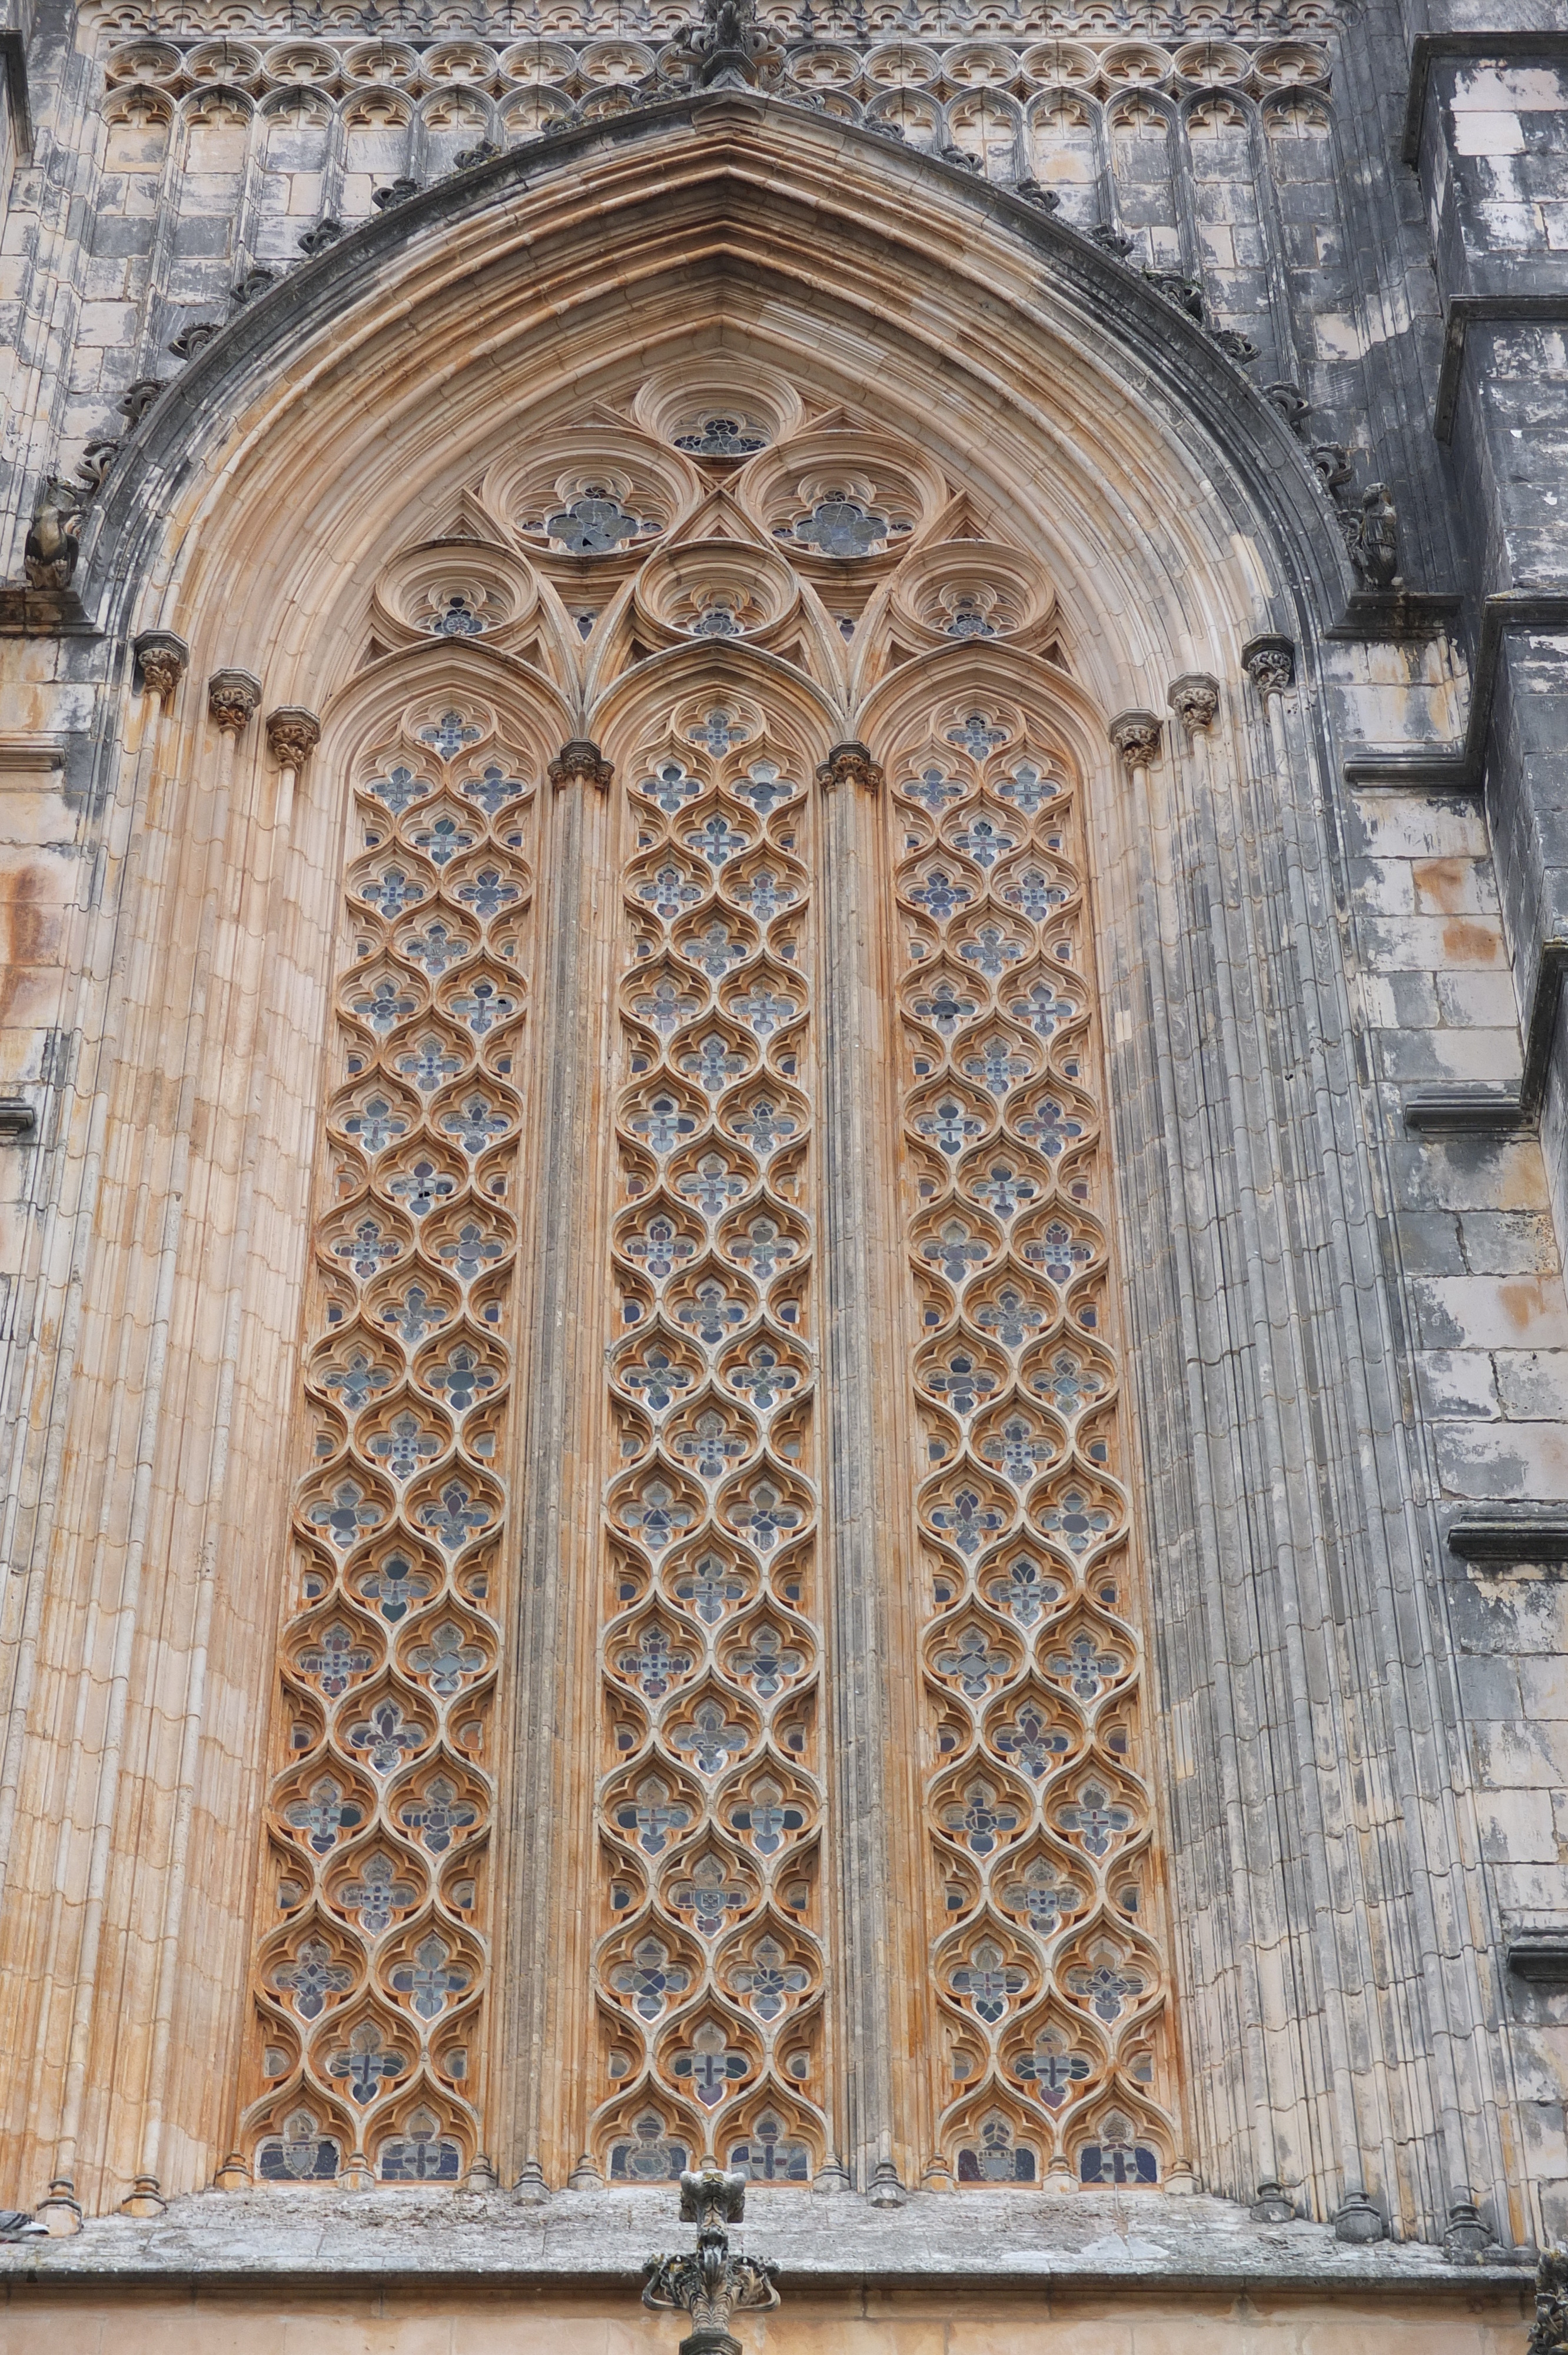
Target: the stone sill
pixel 942 2243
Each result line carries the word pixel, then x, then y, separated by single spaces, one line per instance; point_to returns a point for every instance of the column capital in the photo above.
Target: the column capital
pixel 162 660
pixel 579 760
pixel 292 735
pixel 1136 735
pixel 1269 662
pixel 232 698
pixel 850 765
pixel 1194 697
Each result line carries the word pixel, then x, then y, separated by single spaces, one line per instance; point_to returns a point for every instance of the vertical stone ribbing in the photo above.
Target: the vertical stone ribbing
pixel 543 1955
pixel 854 1163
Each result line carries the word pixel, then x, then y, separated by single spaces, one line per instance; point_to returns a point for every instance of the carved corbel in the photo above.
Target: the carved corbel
pixel 712 2284
pixel 1194 697
pixel 850 765
pixel 292 735
pixel 162 660
pixel 1270 663
pixel 1136 735
pixel 232 697
pixel 582 763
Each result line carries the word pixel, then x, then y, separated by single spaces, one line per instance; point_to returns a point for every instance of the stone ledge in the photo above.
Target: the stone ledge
pixel 947 2242
pixel 1476 1111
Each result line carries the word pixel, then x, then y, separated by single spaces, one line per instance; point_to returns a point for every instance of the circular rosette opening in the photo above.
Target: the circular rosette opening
pixel 717 946
pixel 374 1117
pixel 770 885
pixel 453 589
pixel 463 1370
pixel 720 412
pixel 710 1439
pixel 767 1512
pixel 594 501
pixel 964 590
pixel 764 1244
pixel 996 1061
pixel 834 497
pixel 715 589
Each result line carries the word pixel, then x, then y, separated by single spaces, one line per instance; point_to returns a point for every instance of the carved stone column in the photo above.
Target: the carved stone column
pixel 545 1815
pixel 857 1220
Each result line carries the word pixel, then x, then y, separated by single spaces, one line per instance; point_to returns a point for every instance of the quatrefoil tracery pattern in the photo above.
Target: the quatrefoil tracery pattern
pixel 1046 1970
pixel 372 1973
pixel 709 1972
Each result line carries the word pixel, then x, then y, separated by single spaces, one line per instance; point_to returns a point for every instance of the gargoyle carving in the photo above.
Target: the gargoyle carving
pixel 1373 537
pixel 53 544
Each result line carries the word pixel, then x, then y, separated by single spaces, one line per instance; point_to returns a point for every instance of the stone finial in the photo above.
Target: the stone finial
pixel 162 661
pixel 292 735
pixel 1360 2220
pixel 1136 735
pixel 1270 663
pixel 232 697
pixel 850 765
pixel 580 762
pixel 1194 697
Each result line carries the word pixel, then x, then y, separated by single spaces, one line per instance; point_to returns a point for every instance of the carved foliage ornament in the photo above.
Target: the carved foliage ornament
pixel 232 698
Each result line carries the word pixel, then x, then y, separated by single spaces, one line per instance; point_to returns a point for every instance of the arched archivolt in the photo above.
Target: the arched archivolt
pixel 376 481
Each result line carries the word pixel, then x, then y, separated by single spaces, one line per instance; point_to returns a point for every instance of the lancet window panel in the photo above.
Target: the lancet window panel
pixel 371 1979
pixel 1048 1976
pixel 708 1969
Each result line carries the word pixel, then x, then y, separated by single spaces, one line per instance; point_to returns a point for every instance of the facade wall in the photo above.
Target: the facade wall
pixel 1324 918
